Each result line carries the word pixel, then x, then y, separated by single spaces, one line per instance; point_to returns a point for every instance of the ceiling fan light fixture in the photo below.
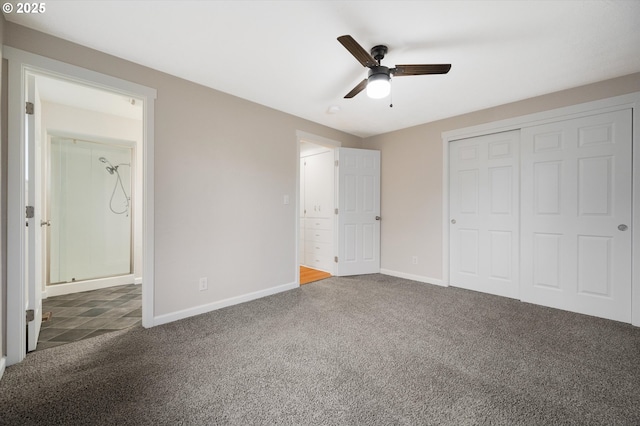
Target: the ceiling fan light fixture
pixel 379 84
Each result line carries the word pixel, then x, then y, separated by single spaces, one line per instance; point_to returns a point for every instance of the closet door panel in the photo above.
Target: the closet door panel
pixel 576 205
pixel 485 213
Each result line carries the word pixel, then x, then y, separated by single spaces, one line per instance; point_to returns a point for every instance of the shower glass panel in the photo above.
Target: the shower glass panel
pixel 89 210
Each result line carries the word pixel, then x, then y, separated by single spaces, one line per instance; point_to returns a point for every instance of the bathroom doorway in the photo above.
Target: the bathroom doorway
pixel 91 100
pixel 87 140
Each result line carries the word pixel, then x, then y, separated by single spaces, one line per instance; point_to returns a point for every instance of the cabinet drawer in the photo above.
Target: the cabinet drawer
pixel 320 249
pixel 318 235
pixel 318 262
pixel 318 223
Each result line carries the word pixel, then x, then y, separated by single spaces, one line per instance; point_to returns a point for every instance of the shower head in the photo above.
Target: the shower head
pixel 110 168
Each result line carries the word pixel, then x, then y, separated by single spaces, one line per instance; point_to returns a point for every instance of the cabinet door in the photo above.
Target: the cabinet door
pixel 319 181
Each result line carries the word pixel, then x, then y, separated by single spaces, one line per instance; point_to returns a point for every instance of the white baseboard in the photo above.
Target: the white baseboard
pixel 412 277
pixel 88 285
pixel 77 287
pixel 203 309
pixel 137 280
pixel 3 364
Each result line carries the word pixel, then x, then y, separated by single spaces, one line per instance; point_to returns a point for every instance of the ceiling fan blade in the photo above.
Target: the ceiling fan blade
pixel 357 51
pixel 403 70
pixel 359 88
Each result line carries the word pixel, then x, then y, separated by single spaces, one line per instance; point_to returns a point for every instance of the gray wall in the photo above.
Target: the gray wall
pixel 412 175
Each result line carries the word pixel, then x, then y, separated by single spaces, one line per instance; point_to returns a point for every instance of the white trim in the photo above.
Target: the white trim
pixel 21 62
pixel 88 285
pixel 148 221
pixel 635 221
pixel 631 100
pixel 315 139
pixel 209 307
pixel 3 364
pixel 297 212
pixel 445 212
pixel 412 277
pixel 550 116
pixel 16 298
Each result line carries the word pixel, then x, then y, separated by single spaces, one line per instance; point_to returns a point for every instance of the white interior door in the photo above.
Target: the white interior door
pixel 576 200
pixel 34 233
pixel 484 214
pixel 358 194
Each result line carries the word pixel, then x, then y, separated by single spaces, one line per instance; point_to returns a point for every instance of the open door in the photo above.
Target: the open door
pixel 34 216
pixel 358 212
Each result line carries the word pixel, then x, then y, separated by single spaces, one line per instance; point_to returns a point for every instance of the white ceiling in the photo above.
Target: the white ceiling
pixel 284 54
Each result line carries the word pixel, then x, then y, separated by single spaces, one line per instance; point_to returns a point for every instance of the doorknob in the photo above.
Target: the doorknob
pixel 622 227
pixel 453 221
pixel 377 217
pixel 45 222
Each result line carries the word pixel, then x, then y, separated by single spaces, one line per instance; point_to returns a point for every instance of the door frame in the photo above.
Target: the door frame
pixel 302 136
pixel 616 103
pixel 20 64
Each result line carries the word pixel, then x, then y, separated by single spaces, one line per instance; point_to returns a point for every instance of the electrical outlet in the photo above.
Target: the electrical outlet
pixel 414 260
pixel 203 284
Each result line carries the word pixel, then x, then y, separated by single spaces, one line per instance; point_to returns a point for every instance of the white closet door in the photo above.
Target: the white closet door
pixel 576 204
pixel 484 213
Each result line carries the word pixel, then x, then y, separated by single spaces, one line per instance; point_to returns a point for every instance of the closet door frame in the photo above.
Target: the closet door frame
pixel 617 103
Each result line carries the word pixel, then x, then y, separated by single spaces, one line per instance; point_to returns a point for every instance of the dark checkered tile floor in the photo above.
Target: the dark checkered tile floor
pixel 91 313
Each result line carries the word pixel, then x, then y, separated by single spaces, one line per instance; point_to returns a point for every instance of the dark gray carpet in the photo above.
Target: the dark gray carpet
pixel 371 350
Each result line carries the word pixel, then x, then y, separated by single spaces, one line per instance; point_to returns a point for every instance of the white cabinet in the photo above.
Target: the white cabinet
pixel 317 211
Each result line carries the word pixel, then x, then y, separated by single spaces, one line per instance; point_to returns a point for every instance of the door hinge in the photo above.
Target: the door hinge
pixel 335 211
pixel 336 163
pixel 30 213
pixel 335 259
pixel 29 108
pixel 31 315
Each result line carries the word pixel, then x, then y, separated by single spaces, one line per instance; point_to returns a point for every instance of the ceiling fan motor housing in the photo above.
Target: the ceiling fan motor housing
pixel 378 52
pixel 380 69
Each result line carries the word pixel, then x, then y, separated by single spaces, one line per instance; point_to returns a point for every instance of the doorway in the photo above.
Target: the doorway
pixel 338 226
pixel 86 192
pixel 317 204
pixel 26 271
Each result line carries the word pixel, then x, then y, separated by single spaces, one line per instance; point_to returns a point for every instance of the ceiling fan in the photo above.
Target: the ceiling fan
pixel 378 82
